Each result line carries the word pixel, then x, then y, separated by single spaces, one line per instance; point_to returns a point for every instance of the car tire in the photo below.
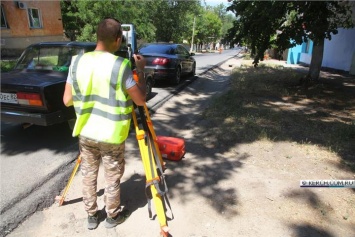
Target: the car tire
pixel 193 71
pixel 177 77
pixel 71 123
pixel 149 87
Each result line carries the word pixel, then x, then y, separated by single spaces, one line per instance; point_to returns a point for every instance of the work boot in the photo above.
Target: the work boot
pixel 93 221
pixel 119 219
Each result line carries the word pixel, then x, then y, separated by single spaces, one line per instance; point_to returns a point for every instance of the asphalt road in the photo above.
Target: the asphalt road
pixel 37 161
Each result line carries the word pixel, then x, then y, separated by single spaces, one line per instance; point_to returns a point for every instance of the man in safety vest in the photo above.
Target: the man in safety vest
pixel 101 87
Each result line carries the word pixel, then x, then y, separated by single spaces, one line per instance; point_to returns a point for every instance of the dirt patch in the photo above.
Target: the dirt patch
pixel 279 132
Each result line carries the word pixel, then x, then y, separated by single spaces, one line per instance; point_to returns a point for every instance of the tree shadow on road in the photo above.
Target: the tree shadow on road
pixel 301 230
pixel 18 140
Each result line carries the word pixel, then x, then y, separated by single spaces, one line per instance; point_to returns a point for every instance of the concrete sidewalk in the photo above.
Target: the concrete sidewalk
pixel 175 118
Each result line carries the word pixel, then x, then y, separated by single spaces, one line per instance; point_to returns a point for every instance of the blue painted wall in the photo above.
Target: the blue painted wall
pixel 294 54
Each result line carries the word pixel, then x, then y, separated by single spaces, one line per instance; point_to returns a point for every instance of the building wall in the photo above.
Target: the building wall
pixel 339 51
pixel 300 53
pixel 294 54
pixel 18 35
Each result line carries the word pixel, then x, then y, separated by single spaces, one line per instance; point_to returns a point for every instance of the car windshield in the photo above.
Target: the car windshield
pixel 157 48
pixel 55 58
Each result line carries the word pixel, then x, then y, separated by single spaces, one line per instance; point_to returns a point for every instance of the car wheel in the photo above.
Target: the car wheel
pixel 177 78
pixel 193 71
pixel 149 87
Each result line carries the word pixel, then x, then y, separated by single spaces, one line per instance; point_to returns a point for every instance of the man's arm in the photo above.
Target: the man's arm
pixel 138 92
pixel 68 96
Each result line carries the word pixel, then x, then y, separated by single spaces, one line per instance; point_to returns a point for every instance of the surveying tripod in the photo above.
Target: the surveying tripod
pixel 156 188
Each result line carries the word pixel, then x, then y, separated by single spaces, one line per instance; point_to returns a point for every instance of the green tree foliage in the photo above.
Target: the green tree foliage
pixel 212 24
pixel 155 20
pixel 261 24
pixel 209 27
pixel 71 20
pixel 256 24
pixel 80 18
pixel 172 19
pixel 227 23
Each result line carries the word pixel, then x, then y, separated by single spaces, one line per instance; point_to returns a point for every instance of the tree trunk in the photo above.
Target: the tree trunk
pixel 316 61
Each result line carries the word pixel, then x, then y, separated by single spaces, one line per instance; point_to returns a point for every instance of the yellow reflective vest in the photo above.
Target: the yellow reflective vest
pixel 103 110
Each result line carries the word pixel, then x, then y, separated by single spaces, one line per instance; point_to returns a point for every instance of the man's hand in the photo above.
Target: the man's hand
pixel 138 92
pixel 140 62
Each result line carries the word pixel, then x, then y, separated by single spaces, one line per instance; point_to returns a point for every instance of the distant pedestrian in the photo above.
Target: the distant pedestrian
pixel 220 48
pixel 217 47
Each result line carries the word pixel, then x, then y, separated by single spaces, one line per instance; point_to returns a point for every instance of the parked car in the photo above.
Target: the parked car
pixel 32 93
pixel 126 52
pixel 169 61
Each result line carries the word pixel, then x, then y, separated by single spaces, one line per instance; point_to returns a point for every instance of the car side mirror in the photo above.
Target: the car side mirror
pixel 192 54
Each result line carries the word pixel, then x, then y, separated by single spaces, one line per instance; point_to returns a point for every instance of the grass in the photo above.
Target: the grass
pixel 7 65
pixel 48 61
pixel 269 103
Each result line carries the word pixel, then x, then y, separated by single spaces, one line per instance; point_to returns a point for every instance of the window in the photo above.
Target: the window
pixel 156 48
pixel 181 50
pixel 3 18
pixel 48 58
pixel 34 18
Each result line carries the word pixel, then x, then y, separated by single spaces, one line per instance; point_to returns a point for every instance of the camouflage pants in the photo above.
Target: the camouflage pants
pixel 112 157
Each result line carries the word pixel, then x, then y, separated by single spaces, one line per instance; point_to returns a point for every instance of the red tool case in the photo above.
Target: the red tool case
pixel 171 148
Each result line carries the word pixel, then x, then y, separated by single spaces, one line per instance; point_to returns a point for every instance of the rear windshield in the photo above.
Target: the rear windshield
pixel 154 48
pixel 55 58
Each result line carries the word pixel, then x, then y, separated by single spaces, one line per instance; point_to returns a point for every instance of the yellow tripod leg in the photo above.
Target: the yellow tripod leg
pixel 146 151
pixel 60 199
pixel 151 129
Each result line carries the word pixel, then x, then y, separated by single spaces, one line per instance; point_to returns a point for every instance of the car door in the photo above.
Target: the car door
pixel 177 58
pixel 186 59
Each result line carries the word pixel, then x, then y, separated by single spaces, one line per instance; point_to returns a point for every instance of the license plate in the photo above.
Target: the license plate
pixel 8 98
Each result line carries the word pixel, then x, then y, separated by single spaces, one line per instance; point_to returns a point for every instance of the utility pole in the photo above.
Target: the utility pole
pixel 193 34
